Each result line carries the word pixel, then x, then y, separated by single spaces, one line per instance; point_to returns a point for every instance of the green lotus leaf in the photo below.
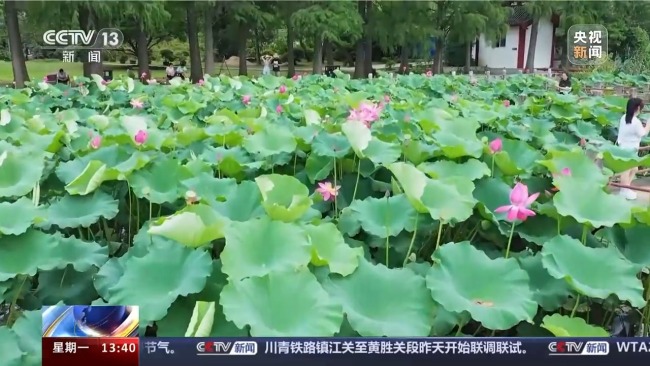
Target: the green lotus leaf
pixel 564 326
pixel 274 139
pixel 589 204
pixel 76 211
pixel 318 167
pixel 89 180
pixel 282 304
pixel 472 169
pixel 34 250
pixel 202 319
pixel 194 226
pixel 632 242
pixel 492 193
pixel 19 172
pixel 67 286
pixel 619 159
pixel 259 246
pixel 283 197
pixel 16 217
pixel 456 137
pixel 396 304
pixel 12 354
pixel 28 329
pixel 549 292
pixel 384 217
pixel 538 229
pixel 333 146
pixel 499 298
pixel 449 199
pixel 595 272
pixel 413 182
pixel 330 249
pixel 173 271
pixel 582 168
pixel 243 204
pixel 517 157
pixel 358 135
pixel 382 153
pixel 159 182
pixel 209 188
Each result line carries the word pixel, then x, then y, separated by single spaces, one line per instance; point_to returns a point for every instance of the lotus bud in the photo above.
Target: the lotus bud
pixel 191 197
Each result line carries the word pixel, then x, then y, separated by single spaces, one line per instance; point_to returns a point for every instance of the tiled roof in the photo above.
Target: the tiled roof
pixel 519 15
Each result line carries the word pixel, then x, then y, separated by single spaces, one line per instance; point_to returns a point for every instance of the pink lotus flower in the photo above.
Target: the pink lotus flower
pixel 386 98
pixel 366 113
pixel 564 172
pixel 496 145
pixel 143 75
pixel 282 89
pixel 279 109
pixel 328 191
pixel 296 77
pixel 429 73
pixel 246 99
pixel 201 82
pixel 141 137
pixel 136 103
pixel 583 142
pixel 519 203
pixel 506 103
pixel 96 142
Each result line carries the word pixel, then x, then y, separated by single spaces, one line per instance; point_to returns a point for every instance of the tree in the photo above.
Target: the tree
pixel 537 10
pixel 196 71
pixel 245 14
pixel 15 43
pixel 330 21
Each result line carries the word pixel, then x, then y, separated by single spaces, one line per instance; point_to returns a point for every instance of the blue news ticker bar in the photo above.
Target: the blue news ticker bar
pixel 392 351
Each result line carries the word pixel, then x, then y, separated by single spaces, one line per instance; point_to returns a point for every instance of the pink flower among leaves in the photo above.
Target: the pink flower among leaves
pixel 96 142
pixel 296 77
pixel 246 99
pixel 136 103
pixel 279 109
pixel 519 203
pixel 366 113
pixel 141 137
pixel 201 82
pixel 282 89
pixel 386 98
pixel 506 103
pixel 429 73
pixel 564 172
pixel 143 75
pixel 496 145
pixel 328 191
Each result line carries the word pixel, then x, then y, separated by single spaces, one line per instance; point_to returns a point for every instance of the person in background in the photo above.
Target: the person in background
pixel 181 70
pixel 62 77
pixel 564 86
pixel 275 62
pixel 630 132
pixel 170 71
pixel 266 60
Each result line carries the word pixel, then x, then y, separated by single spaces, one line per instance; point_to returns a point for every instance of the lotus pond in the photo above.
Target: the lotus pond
pixel 318 207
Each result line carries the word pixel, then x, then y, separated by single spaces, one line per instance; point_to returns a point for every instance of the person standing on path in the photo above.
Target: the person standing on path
pixel 170 71
pixel 275 61
pixel 630 132
pixel 266 60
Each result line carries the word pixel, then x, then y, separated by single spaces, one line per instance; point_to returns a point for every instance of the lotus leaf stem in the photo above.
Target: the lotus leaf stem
pixel 512 231
pixel 356 183
pixel 336 208
pixel 150 210
pixel 492 169
pixel 585 229
pixel 440 225
pixel 387 231
pixel 295 161
pixel 575 307
pixel 559 226
pixel 128 193
pixel 415 231
pixel 137 212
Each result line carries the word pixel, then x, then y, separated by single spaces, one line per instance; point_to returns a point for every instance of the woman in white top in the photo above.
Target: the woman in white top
pixel 266 59
pixel 630 132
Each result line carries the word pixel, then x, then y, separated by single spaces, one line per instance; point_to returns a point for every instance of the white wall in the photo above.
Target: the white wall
pixel 507 56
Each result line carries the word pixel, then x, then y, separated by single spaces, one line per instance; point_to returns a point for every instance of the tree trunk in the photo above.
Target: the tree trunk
pixel 404 58
pixel 87 21
pixel 367 34
pixel 328 49
pixel 317 63
pixel 241 48
pixel 532 45
pixel 439 56
pixel 468 56
pixel 15 44
pixel 258 52
pixel 208 33
pixel 196 72
pixel 291 39
pixel 142 51
pixel 360 49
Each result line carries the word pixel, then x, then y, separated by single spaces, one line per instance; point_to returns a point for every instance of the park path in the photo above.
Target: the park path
pixel 642 198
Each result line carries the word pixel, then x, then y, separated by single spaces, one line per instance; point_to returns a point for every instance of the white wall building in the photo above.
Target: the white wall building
pixel 511 51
